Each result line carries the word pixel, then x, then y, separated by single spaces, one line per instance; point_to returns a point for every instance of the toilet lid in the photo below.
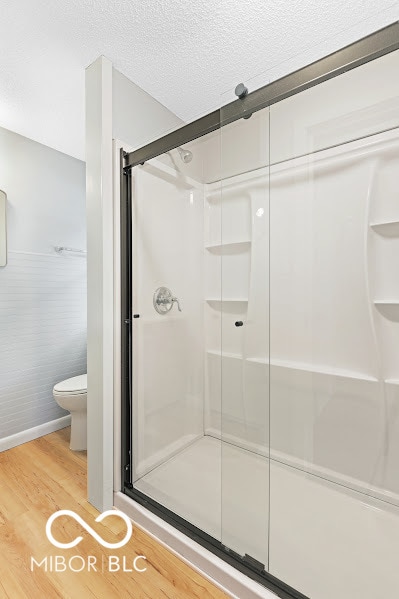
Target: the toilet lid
pixel 75 384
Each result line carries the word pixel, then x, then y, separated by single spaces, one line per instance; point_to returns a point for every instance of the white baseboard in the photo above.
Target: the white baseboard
pixel 224 576
pixel 34 433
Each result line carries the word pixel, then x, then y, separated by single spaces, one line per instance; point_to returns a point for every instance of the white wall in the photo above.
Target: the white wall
pixel 137 118
pixel 115 108
pixel 99 203
pixel 42 294
pixel 46 195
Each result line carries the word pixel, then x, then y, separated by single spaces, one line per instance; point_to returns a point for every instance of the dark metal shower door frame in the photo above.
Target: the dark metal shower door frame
pixel 369 48
pixel 373 46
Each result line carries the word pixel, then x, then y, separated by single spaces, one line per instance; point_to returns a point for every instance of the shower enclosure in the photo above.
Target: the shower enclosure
pixel 260 372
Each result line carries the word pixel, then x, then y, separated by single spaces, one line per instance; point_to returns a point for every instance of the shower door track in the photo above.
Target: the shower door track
pixel 369 48
pixel 242 564
pixel 373 46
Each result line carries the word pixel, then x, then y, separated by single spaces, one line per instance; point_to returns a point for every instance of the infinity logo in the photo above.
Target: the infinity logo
pixel 89 529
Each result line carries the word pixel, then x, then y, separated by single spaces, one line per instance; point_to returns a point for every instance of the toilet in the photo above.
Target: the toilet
pixel 71 395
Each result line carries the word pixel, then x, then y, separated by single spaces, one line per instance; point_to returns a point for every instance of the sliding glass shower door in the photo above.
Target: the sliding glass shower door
pixel 334 335
pixel 200 288
pixel 176 459
pixel 244 257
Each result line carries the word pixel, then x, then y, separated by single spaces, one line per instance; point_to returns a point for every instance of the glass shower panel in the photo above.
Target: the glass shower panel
pixel 334 335
pixel 175 462
pixel 243 254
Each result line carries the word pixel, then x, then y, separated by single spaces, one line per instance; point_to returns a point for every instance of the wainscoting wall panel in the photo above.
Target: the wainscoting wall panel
pixel 42 333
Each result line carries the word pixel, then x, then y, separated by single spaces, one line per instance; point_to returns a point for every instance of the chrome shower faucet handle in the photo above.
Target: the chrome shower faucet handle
pixel 174 299
pixel 163 300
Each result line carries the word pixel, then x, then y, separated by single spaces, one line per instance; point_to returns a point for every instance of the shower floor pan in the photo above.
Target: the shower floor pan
pixel 323 539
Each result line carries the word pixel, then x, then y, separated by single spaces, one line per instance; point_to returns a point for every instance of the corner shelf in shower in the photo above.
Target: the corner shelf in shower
pixel 388 309
pixel 218 300
pixel 387 229
pixel 240 245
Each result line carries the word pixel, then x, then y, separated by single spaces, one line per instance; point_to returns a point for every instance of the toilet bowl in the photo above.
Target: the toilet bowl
pixel 71 395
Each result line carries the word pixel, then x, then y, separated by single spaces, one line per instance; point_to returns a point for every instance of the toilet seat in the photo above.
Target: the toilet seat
pixel 76 385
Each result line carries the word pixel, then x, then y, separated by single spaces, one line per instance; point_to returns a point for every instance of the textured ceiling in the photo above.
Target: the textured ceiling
pixel 186 54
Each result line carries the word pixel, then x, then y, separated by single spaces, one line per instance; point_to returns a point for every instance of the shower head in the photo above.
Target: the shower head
pixel 185 155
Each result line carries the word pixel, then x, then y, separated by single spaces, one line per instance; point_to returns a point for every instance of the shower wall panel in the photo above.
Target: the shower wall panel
pixel 358 103
pixel 334 314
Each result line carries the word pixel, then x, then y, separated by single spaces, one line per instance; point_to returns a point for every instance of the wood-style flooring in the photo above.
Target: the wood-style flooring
pixel 43 476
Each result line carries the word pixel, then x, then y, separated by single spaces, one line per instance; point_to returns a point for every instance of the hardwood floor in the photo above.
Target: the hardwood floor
pixel 43 476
